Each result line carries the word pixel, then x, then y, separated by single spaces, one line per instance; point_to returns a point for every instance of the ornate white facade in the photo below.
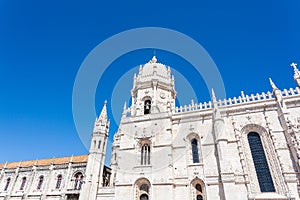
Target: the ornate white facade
pixel 246 147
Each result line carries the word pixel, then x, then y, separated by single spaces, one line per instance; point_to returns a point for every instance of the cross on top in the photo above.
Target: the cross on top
pixel 294 65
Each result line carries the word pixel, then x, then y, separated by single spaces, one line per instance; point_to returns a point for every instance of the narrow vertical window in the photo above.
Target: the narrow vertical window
pixel 23 183
pixel 145 155
pixel 195 154
pixel 58 182
pixel 41 180
pixel 99 144
pixel 147 107
pixel 7 184
pixel 260 162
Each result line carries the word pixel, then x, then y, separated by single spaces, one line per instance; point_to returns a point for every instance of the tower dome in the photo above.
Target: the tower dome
pixel 153 88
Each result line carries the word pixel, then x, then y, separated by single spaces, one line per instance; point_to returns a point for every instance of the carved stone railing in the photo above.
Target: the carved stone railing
pixel 242 99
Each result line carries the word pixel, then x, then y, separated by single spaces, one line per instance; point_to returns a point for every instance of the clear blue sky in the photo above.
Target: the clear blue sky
pixel 43 43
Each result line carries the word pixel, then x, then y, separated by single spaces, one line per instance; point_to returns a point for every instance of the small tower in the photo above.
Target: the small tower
pixel 284 118
pixel 153 89
pixel 223 152
pixel 96 157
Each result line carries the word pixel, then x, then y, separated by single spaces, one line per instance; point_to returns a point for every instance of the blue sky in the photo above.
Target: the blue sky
pixel 43 43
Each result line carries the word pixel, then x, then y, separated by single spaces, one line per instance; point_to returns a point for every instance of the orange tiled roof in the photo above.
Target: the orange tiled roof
pixel 45 162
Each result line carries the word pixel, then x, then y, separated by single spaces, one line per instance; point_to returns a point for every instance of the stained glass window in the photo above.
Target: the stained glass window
pixel 260 163
pixel 194 143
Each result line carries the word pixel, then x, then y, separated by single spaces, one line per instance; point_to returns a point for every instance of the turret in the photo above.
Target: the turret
pixel 153 89
pixel 96 158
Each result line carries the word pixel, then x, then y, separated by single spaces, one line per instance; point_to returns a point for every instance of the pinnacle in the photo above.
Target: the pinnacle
pixel 272 84
pixel 103 114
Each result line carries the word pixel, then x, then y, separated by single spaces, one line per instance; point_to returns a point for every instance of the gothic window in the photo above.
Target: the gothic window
pixel 147 107
pixel 260 162
pixel 58 182
pixel 7 184
pixel 78 181
pixel 197 189
pixel 195 154
pixel 145 154
pixel 142 189
pixel 23 183
pixel 41 180
pixel 99 144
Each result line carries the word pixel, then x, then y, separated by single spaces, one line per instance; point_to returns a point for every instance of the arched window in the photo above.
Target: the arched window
pixel 197 189
pixel 58 182
pixel 7 184
pixel 195 154
pixel 41 180
pixel 23 183
pixel 147 107
pixel 142 189
pixel 78 181
pixel 99 144
pixel 260 162
pixel 145 154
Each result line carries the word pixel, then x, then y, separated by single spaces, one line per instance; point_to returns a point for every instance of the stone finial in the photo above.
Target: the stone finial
pixel 294 65
pixel 273 84
pixel 124 109
pixel 153 60
pixel 213 96
pixel 19 165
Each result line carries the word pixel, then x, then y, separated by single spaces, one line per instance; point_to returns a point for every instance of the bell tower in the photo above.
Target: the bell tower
pixel 153 89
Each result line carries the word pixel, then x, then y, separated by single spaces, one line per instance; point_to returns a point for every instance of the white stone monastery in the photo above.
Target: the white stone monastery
pixel 241 148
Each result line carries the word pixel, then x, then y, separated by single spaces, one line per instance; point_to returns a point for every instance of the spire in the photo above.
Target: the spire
pixel 124 110
pixel 71 159
pixel 124 107
pixel 273 84
pixel 103 115
pixel 213 96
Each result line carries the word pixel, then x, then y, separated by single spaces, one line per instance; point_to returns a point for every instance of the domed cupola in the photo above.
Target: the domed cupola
pixel 153 89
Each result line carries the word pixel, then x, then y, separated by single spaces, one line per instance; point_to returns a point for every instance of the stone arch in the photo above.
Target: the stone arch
pixel 197 189
pixel 77 179
pixel 142 189
pixel 271 158
pixel 193 143
pixel 147 101
pixel 144 151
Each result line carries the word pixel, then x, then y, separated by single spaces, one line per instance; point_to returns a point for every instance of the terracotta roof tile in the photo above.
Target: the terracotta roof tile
pixel 45 162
